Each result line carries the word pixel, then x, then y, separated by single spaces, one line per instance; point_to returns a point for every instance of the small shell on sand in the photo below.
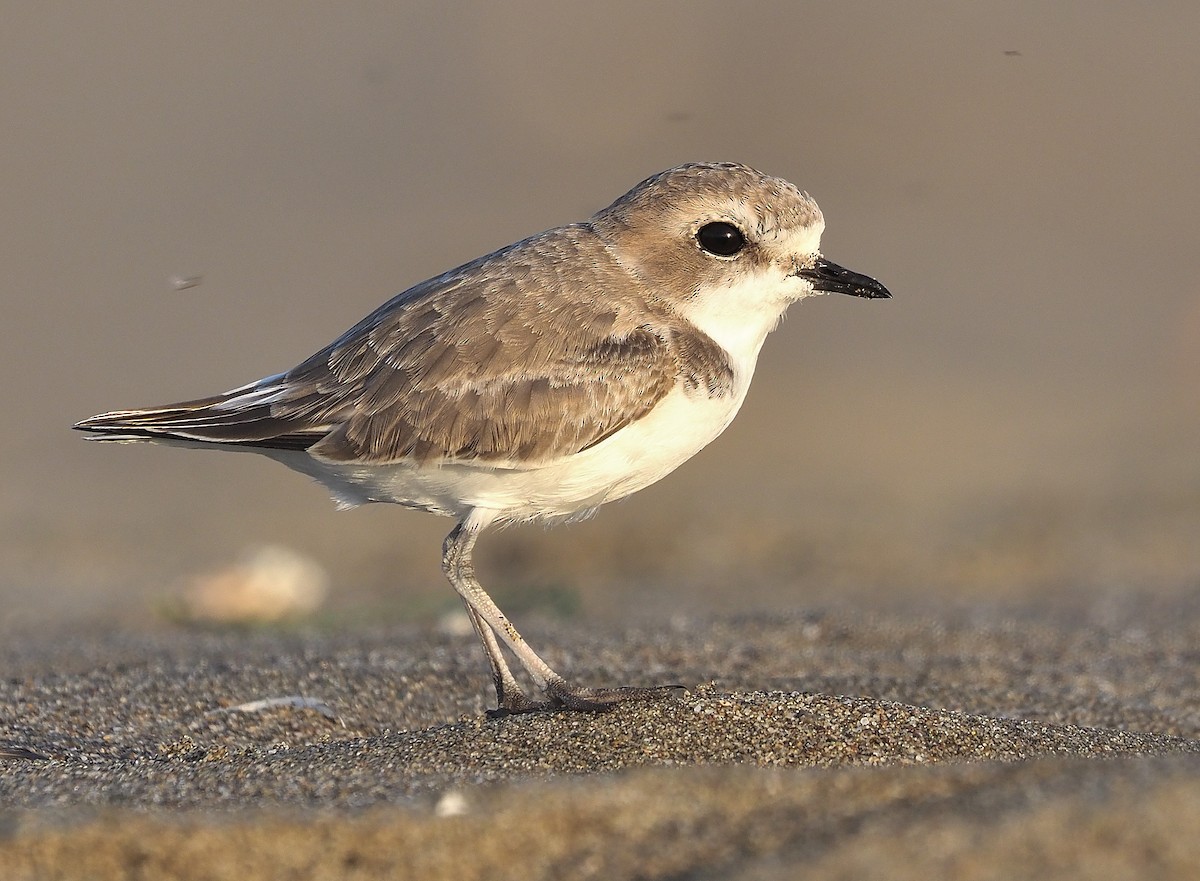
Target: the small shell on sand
pixel 270 583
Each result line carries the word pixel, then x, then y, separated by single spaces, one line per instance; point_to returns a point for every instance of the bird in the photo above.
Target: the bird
pixel 540 381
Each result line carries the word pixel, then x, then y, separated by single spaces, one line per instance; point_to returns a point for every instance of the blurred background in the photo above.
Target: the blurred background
pixel 1020 420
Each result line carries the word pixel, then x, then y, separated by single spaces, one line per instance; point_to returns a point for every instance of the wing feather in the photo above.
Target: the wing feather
pixel 506 359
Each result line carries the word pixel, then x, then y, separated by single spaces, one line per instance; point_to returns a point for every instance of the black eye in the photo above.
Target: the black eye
pixel 722 239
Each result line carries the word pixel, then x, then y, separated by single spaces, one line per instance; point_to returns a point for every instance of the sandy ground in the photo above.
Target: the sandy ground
pixel 972 744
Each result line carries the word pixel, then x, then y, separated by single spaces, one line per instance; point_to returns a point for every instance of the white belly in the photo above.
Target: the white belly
pixel 680 426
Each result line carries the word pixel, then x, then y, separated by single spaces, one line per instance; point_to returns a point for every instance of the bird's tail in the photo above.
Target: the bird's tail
pixel 242 416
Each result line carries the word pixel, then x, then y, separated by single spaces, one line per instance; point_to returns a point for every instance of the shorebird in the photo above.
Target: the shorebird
pixel 540 381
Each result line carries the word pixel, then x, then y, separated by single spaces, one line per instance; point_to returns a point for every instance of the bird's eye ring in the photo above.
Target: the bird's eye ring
pixel 720 238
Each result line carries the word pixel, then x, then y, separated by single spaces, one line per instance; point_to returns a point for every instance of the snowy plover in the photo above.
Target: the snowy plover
pixel 540 381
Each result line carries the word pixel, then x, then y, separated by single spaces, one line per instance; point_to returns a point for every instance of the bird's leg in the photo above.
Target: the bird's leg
pixel 490 623
pixel 510 697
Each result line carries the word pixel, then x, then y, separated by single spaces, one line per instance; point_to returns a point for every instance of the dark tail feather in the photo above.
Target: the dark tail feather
pixel 217 420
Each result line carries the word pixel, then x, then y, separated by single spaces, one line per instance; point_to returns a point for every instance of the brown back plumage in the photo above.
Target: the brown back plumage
pixel 502 359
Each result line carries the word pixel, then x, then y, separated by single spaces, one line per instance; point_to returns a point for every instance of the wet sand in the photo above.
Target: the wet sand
pixel 973 743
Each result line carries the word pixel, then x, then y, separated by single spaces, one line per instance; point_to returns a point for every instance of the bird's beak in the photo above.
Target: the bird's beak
pixel 829 278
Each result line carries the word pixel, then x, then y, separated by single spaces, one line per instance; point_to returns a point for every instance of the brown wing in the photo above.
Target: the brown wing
pixel 420 406
pixel 504 359
pixel 507 359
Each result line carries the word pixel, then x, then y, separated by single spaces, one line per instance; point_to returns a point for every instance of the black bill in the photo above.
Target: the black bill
pixel 827 277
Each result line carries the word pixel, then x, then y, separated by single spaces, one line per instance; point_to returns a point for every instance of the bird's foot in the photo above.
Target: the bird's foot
pixel 597 700
pixel 513 702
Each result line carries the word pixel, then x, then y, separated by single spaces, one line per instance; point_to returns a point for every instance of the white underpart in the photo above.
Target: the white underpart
pixel 738 316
